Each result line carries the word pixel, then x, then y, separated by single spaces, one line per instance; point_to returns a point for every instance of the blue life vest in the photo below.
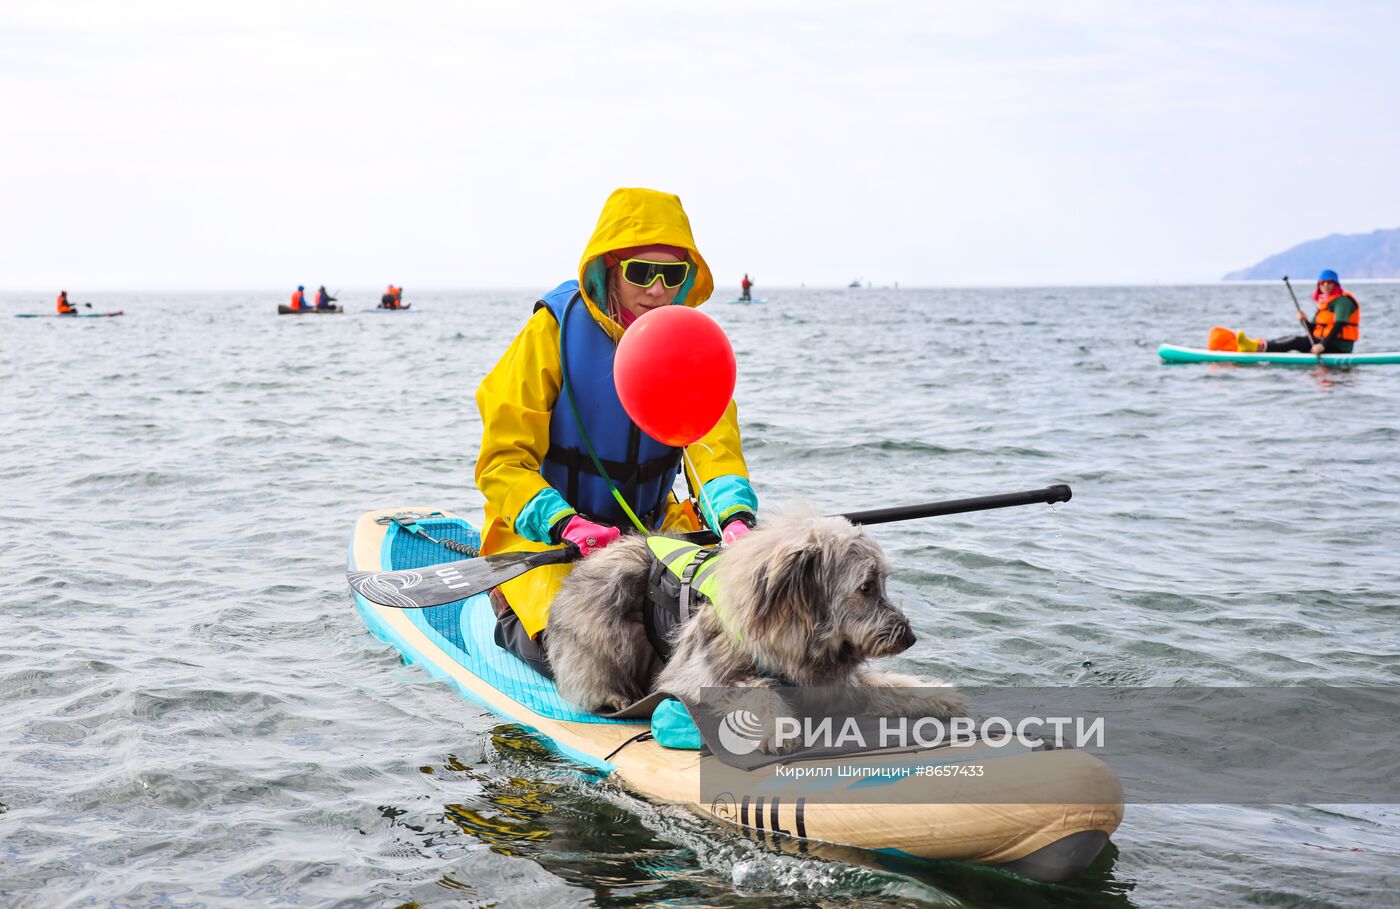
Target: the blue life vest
pixel 643 468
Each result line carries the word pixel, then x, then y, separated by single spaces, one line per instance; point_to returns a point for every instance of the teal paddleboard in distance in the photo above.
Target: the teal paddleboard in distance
pixel 284 310
pixel 754 300
pixel 1171 353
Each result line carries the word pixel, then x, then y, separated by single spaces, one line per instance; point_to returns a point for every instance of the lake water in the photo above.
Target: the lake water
pixel 194 714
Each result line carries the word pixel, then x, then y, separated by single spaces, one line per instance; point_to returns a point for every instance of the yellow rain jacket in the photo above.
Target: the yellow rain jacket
pixel 517 397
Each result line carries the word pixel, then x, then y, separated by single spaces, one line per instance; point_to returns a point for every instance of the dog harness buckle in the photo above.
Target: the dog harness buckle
pixel 688 576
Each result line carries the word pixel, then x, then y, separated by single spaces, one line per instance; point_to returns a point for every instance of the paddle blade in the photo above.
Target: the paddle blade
pixel 448 582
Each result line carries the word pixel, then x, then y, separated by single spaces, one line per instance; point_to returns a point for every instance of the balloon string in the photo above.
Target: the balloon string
pixel 705 503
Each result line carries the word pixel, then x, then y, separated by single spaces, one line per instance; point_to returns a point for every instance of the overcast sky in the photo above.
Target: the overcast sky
pixel 163 145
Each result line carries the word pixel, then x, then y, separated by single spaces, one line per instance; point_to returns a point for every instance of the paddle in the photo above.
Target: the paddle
pixel 448 582
pixel 1304 317
pixel 434 585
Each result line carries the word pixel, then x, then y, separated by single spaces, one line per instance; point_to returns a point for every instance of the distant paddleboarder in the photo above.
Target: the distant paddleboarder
pixel 746 286
pixel 64 307
pixel 1334 328
pixel 392 298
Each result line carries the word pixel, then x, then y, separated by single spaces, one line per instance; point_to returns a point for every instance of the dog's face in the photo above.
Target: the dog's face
pixel 862 608
pixel 811 592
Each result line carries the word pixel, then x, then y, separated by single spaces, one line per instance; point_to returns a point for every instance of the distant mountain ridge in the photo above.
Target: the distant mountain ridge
pixel 1373 255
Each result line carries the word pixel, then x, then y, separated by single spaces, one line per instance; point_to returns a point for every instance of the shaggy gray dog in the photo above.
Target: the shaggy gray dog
pixel 801 603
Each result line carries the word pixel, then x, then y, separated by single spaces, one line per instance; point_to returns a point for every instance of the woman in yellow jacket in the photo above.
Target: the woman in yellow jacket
pixel 558 453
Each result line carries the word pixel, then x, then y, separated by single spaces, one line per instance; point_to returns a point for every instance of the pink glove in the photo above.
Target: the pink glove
pixel 587 536
pixel 733 531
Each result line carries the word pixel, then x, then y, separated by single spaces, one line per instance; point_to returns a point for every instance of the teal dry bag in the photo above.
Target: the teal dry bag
pixel 672 727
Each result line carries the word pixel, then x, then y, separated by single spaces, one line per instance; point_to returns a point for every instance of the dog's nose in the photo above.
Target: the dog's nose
pixel 898 636
pixel 906 638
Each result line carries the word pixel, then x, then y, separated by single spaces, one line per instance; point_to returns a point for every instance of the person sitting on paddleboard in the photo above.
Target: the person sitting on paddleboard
pixel 1334 329
pixel 299 303
pixel 64 307
pixel 323 299
pixel 541 485
pixel 746 285
pixel 391 298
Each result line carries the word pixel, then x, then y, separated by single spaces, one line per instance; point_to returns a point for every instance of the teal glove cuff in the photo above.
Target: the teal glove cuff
pixel 541 513
pixel 729 495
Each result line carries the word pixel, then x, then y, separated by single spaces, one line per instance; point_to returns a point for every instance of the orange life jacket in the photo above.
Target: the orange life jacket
pixel 64 307
pixel 1323 321
pixel 298 300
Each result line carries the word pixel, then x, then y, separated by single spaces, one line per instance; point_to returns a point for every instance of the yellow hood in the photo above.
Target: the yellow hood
pixel 641 217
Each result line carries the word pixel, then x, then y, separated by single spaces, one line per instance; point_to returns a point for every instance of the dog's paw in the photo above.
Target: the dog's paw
pixel 770 745
pixel 759 698
pixel 938 702
pixel 907 695
pixel 614 704
pixel 879 679
pixel 758 682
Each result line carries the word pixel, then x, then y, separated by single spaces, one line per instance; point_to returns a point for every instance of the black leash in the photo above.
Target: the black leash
pixel 639 737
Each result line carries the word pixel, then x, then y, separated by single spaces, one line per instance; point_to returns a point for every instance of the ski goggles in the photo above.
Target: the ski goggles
pixel 644 274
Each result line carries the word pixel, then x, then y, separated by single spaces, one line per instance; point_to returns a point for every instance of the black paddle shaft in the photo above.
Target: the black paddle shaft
pixel 1049 495
pixel 1306 330
pixel 448 582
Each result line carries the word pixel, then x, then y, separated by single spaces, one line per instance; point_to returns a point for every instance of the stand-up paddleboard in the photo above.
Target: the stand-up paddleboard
pixel 407 307
pixel 754 300
pixel 284 310
pixel 71 315
pixel 1170 353
pixel 1045 841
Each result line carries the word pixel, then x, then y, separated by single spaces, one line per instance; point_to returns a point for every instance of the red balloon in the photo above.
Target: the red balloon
pixel 674 372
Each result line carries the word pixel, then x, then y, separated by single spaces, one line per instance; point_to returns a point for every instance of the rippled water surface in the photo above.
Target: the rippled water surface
pixel 194 714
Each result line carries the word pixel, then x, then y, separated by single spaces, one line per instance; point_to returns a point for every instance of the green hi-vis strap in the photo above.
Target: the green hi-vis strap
pixel 583 433
pixel 677 556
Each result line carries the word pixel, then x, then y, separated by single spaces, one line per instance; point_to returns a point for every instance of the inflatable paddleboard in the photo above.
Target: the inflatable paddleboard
pixel 754 300
pixel 1170 353
pixel 284 310
pixel 407 307
pixel 75 315
pixel 1045 841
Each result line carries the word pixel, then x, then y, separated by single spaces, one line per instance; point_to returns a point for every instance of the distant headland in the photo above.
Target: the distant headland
pixel 1373 255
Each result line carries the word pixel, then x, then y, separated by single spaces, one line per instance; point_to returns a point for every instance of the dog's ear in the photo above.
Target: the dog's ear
pixel 790 588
